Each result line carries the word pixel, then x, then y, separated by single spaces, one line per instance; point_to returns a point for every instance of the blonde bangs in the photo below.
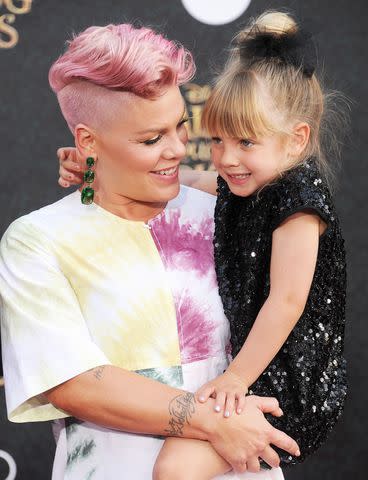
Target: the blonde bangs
pixel 236 108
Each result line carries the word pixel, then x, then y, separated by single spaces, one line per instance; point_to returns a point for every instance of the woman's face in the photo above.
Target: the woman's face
pixel 139 153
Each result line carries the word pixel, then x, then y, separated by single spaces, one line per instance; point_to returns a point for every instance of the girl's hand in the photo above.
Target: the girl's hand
pixel 70 167
pixel 228 389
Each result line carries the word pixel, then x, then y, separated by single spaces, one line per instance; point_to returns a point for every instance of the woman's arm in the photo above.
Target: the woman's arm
pixel 71 173
pixel 293 261
pixel 200 179
pixel 126 401
pixel 123 400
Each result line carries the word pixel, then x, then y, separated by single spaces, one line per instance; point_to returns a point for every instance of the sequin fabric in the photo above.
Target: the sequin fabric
pixel 308 375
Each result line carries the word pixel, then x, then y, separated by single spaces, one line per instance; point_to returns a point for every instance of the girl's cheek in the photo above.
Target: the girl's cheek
pixel 216 158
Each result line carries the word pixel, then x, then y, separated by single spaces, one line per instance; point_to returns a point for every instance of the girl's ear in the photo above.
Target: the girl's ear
pixel 299 139
pixel 85 141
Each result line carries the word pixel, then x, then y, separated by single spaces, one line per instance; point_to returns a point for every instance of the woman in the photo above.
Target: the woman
pixel 111 312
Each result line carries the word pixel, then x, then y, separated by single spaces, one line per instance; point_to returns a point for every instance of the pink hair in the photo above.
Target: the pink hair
pixel 120 58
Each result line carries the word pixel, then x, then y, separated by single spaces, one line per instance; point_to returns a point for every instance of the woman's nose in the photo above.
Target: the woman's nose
pixel 176 148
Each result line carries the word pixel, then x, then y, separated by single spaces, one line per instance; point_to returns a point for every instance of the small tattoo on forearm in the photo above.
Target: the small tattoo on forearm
pixel 97 372
pixel 181 409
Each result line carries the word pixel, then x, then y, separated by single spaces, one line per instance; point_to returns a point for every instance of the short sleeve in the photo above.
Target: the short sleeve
pixel 45 339
pixel 302 189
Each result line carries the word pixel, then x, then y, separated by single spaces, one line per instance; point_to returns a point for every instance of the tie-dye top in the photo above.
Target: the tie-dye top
pixel 82 287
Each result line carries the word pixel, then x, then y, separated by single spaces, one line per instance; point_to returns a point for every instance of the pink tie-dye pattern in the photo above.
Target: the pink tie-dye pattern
pixel 188 247
pixel 185 246
pixel 194 328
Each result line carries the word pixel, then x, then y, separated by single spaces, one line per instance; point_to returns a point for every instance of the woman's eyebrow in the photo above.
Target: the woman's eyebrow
pixel 162 127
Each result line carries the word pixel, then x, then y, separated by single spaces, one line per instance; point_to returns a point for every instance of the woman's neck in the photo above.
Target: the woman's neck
pixel 127 208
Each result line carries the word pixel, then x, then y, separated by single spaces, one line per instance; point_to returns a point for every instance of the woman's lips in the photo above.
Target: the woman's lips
pixel 167 175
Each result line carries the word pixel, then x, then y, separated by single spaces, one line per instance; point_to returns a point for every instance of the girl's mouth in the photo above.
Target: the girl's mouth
pixel 239 179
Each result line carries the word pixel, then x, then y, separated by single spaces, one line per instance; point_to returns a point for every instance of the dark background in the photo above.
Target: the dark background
pixel 31 128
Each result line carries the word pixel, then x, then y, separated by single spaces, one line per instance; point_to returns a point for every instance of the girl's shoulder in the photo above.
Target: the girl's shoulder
pixel 304 178
pixel 302 188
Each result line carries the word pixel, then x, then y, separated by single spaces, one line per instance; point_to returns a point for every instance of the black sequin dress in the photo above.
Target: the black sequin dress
pixel 308 375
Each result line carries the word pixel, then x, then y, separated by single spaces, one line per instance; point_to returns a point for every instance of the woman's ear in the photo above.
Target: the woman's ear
pixel 299 138
pixel 85 141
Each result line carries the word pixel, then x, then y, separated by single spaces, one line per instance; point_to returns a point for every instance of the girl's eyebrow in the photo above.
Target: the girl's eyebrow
pixel 162 127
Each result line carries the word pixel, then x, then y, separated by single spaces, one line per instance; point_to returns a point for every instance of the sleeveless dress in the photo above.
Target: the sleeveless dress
pixel 308 374
pixel 82 287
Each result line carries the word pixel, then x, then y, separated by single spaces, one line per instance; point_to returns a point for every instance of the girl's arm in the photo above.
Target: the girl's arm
pixel 293 261
pixel 294 255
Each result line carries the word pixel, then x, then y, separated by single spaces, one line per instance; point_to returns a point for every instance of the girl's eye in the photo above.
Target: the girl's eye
pixel 246 143
pixel 152 141
pixel 216 140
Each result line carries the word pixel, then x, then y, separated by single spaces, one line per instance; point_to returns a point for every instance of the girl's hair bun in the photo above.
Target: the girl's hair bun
pixel 276 37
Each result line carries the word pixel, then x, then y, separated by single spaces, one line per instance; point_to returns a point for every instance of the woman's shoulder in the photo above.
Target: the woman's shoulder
pixel 194 202
pixel 193 194
pixel 37 223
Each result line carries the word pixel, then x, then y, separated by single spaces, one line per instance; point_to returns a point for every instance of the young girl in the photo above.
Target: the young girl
pixel 278 247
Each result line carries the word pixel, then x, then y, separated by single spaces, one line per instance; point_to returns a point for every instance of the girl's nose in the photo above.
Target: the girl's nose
pixel 229 158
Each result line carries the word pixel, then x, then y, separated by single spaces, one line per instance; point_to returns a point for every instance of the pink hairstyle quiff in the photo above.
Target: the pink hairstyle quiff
pixel 119 58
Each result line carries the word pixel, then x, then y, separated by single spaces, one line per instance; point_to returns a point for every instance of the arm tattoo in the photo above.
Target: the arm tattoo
pixel 181 409
pixel 97 372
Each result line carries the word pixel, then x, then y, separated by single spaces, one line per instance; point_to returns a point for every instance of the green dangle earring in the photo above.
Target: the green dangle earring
pixel 88 193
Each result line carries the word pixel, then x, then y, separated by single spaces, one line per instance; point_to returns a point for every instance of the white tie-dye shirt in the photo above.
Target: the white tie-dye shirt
pixel 82 287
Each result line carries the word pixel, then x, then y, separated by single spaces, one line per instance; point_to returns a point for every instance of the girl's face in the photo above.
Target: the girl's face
pixel 139 151
pixel 248 164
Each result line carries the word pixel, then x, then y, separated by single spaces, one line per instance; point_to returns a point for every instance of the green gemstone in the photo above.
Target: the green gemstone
pixel 87 195
pixel 89 176
pixel 90 162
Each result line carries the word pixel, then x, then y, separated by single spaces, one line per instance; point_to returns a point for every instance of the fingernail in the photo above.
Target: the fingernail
pixel 282 413
pixel 297 453
pixel 239 410
pixel 227 414
pixel 217 408
pixel 201 399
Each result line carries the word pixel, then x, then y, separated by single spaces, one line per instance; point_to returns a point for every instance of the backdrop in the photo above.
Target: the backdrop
pixel 32 34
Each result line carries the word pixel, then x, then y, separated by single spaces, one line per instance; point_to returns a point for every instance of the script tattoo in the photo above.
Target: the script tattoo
pixel 97 372
pixel 181 409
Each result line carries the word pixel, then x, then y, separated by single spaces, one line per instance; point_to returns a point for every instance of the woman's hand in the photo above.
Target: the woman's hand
pixel 242 439
pixel 70 167
pixel 228 389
